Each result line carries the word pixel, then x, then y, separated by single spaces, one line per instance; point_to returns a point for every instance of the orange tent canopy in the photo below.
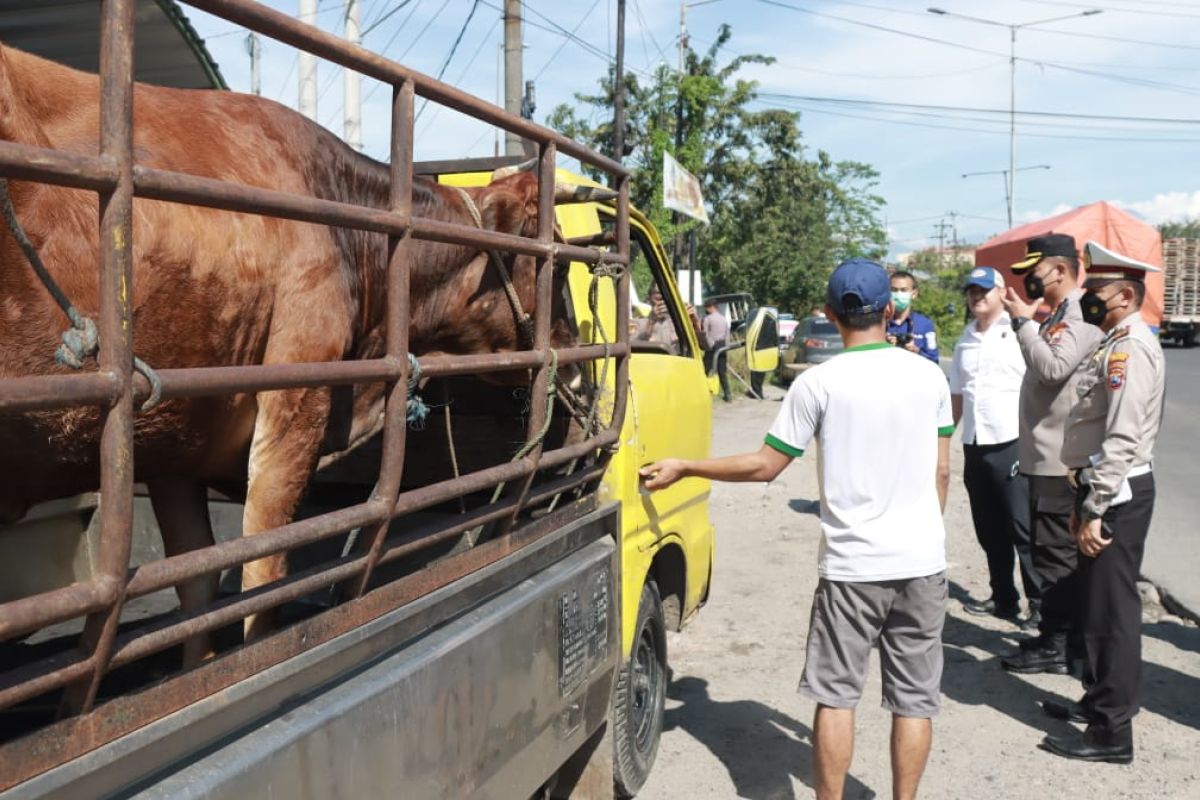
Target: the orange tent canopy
pixel 1101 222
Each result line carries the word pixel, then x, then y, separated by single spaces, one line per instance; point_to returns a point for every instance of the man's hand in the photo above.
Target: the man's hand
pixel 1090 537
pixel 662 474
pixel 912 347
pixel 1016 307
pixel 891 340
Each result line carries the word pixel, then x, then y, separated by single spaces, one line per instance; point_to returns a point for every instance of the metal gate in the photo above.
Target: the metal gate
pixel 84 723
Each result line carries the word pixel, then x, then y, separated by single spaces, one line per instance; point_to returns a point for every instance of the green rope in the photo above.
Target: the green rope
pixel 540 436
pixel 82 340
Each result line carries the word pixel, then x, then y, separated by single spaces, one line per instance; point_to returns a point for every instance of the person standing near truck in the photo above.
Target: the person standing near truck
pixel 1053 352
pixel 985 388
pixel 714 330
pixel 910 329
pixel 882 559
pixel 1108 446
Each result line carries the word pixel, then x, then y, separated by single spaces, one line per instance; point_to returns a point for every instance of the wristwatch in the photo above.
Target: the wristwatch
pixel 1017 322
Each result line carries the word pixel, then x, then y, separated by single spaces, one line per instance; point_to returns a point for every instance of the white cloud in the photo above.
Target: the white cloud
pixel 1166 207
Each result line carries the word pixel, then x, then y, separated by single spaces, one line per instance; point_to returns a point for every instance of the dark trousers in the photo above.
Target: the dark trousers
pixel 1055 554
pixel 1000 509
pixel 715 359
pixel 1112 616
pixel 756 383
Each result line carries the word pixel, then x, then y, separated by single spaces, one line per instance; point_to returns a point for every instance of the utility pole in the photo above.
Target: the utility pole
pixel 619 88
pixel 499 80
pixel 513 82
pixel 676 217
pixel 352 121
pixel 953 215
pixel 308 65
pixel 254 48
pixel 941 237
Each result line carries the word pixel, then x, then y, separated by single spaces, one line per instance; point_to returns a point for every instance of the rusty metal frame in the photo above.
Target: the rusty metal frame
pixel 115 388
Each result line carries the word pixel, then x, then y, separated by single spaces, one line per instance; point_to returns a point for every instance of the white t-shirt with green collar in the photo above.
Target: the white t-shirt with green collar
pixel 876 413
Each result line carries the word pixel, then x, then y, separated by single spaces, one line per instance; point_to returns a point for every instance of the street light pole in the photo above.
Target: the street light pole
pixel 1010 184
pixel 1007 183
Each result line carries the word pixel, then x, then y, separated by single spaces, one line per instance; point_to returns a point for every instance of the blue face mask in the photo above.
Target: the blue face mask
pixel 901 300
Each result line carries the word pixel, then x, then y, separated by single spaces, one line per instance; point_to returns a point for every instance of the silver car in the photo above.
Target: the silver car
pixel 816 340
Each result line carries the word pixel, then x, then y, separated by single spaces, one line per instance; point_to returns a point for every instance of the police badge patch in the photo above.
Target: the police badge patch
pixel 1116 370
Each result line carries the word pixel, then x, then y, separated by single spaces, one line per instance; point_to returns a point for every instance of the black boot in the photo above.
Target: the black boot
pixel 1049 654
pixel 1095 744
pixel 1071 712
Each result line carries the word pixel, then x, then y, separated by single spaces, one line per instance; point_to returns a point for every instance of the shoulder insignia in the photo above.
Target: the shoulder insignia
pixel 1116 370
pixel 1119 333
pixel 1055 332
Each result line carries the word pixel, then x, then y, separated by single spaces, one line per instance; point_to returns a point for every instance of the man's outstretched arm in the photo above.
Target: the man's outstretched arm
pixel 763 465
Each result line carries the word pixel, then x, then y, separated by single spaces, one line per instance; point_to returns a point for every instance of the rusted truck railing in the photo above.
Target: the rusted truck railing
pixel 118 390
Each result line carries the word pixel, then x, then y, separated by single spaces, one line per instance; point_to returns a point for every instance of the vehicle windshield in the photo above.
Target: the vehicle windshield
pixel 822 328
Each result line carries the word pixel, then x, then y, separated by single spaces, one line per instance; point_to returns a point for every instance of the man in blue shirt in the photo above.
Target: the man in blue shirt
pixel 910 329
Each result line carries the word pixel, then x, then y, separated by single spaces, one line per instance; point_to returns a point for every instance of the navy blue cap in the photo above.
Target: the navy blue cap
pixel 985 278
pixel 859 286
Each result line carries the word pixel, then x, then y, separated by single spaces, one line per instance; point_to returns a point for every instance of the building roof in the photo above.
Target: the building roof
pixel 167 50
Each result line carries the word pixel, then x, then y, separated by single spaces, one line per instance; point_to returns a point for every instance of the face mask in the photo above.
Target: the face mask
pixel 1035 285
pixel 1094 308
pixel 901 300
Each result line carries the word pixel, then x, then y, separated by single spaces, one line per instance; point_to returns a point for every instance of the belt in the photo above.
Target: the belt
pixel 1079 476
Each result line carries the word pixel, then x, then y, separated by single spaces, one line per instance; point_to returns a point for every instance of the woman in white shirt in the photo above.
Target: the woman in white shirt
pixel 985 387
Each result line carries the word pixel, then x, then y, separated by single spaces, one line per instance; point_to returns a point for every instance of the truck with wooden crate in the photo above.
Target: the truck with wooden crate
pixel 471 595
pixel 1181 291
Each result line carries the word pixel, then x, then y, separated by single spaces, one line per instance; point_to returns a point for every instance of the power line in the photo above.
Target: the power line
pixel 384 15
pixel 487 38
pixel 450 56
pixel 1116 9
pixel 960 46
pixel 912 123
pixel 975 110
pixel 566 41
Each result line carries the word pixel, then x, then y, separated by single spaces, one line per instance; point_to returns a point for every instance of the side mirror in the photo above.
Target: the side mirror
pixel 762 339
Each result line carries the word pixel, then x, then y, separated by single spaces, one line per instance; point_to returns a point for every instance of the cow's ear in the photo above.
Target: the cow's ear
pixel 512 204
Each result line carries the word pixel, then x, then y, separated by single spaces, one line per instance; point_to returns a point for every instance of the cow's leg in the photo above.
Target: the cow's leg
pixel 181 508
pixel 288 432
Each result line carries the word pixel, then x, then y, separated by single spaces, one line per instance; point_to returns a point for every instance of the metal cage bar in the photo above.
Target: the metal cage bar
pixel 114 388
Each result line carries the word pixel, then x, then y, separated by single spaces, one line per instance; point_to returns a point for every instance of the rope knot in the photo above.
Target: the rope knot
pixel 416 409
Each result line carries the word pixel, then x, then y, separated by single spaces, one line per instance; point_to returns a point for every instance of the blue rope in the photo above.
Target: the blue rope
pixel 417 410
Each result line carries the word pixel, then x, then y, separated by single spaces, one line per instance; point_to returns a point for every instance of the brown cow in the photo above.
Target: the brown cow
pixel 218 288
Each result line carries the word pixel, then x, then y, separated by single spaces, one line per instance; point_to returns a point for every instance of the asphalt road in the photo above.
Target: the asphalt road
pixel 1173 549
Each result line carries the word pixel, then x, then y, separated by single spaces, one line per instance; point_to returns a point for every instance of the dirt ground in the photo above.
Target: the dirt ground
pixel 736 726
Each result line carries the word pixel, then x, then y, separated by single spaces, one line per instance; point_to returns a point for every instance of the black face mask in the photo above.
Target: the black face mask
pixel 1094 308
pixel 1035 287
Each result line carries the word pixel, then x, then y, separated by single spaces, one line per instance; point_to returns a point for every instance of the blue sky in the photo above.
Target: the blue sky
pixel 837 60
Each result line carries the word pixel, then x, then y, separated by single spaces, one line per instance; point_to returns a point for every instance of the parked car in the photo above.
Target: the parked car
pixel 787 330
pixel 816 340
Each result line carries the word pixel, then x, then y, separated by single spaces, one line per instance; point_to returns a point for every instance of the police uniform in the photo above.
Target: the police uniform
pixel 1054 352
pixel 1108 445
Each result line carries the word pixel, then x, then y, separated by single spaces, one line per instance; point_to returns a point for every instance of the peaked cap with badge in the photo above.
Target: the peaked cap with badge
pixel 1046 246
pixel 1104 265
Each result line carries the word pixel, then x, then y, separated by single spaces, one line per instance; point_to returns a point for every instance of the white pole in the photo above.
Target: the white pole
pixel 254 48
pixel 513 81
pixel 352 126
pixel 1012 125
pixel 308 65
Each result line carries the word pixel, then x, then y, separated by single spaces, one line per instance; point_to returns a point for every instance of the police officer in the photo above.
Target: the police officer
pixel 1109 443
pixel 1052 351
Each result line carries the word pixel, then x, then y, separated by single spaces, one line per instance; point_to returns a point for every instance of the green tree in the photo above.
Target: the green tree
pixel 780 218
pixel 941 277
pixel 1180 229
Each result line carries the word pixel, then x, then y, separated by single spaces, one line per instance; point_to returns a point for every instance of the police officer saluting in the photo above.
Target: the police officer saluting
pixel 1108 445
pixel 1053 351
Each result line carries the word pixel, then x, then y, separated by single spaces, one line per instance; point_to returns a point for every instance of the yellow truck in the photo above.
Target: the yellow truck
pixel 475 602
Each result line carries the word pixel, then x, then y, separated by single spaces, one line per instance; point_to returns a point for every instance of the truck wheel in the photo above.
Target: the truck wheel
pixel 640 697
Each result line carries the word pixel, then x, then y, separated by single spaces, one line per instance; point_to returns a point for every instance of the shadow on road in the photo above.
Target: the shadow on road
pixel 803 506
pixel 761 748
pixel 968 680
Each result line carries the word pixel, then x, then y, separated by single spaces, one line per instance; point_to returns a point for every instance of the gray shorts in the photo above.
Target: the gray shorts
pixel 904 617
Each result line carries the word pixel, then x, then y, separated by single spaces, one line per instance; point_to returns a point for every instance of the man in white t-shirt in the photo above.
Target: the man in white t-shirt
pixel 985 391
pixel 882 557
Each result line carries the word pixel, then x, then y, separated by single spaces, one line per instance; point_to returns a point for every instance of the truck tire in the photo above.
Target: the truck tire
pixel 640 697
